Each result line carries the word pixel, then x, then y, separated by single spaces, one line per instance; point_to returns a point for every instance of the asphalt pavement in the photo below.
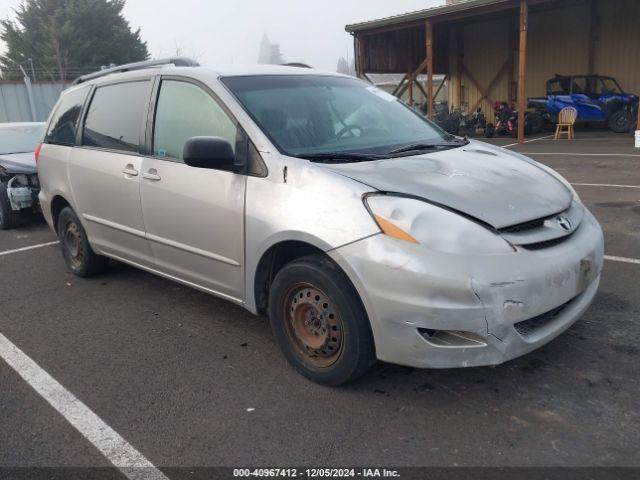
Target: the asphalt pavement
pixel 191 380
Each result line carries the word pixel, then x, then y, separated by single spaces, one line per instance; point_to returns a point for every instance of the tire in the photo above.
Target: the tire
pixel 489 130
pixel 620 121
pixel 319 322
pixel 8 217
pixel 76 250
pixel 535 122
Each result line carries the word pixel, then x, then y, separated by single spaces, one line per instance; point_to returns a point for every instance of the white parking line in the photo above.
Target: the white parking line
pixel 528 141
pixel 605 185
pixel 115 448
pixel 613 258
pixel 31 247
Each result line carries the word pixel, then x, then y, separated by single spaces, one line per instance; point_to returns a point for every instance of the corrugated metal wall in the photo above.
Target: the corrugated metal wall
pixel 484 59
pixel 618 49
pixel 557 43
pixel 14 102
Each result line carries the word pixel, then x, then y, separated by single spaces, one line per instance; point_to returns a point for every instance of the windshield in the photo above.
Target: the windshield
pixel 20 138
pixel 314 114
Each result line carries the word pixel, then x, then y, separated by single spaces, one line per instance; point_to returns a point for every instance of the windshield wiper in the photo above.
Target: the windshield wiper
pixel 428 146
pixel 329 157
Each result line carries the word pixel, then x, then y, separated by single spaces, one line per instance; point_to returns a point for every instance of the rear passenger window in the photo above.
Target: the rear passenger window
pixel 64 122
pixel 185 110
pixel 115 116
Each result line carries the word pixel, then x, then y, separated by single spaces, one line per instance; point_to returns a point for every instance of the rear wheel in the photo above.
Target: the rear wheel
pixel 8 217
pixel 319 322
pixel 621 121
pixel 78 254
pixel 535 122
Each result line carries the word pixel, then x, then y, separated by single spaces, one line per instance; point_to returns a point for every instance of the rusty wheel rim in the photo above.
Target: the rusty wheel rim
pixel 72 241
pixel 314 325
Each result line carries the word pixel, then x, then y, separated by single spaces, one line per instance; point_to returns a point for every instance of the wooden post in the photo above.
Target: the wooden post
pixel 429 37
pixel 410 92
pixel 522 68
pixel 359 56
pixel 593 37
pixel 511 94
pixel 459 65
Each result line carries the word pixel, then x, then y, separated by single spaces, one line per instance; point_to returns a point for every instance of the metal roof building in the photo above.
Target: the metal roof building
pixel 504 49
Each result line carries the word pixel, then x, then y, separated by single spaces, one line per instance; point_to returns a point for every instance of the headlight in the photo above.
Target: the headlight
pixel 562 180
pixel 433 227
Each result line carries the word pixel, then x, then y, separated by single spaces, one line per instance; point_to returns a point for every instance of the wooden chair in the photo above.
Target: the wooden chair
pixel 566 121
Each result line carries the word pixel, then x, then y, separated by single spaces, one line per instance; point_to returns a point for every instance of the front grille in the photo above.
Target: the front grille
pixel 527 327
pixel 523 227
pixel 547 243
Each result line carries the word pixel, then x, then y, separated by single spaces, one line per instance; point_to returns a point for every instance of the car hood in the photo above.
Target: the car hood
pixel 18 162
pixel 494 185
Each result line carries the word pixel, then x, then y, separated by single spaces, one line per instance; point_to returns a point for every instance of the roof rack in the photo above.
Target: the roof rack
pixel 295 64
pixel 128 67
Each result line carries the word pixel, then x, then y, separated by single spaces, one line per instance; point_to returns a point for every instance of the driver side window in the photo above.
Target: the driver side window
pixel 183 111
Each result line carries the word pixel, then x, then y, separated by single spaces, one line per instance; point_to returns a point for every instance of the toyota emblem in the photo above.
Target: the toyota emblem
pixel 564 223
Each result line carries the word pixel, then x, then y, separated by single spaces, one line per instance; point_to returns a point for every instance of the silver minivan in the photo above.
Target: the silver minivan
pixel 360 229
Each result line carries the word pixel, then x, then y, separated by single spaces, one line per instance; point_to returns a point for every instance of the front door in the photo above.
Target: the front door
pixel 105 171
pixel 194 217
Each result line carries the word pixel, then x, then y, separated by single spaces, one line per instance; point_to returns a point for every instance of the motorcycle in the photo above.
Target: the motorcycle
pixel 506 121
pixel 475 122
pixel 449 121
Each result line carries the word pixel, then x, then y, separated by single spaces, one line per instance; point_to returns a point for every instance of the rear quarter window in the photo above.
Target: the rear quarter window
pixel 64 122
pixel 114 117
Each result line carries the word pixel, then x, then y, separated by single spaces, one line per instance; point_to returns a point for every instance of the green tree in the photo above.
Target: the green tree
pixel 65 38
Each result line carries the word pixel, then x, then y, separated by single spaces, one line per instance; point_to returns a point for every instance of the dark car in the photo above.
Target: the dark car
pixel 19 185
pixel 597 99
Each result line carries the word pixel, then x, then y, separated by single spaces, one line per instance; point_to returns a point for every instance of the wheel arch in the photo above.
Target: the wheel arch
pixel 273 259
pixel 58 203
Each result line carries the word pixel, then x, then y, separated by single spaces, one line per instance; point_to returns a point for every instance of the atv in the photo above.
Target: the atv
pixel 597 99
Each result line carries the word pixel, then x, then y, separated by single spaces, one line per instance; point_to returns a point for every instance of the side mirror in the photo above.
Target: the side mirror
pixel 209 152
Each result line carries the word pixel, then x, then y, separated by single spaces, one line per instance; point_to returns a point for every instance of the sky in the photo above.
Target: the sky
pixel 230 32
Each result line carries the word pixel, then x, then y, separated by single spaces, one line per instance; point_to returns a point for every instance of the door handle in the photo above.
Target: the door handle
pixel 151 174
pixel 129 170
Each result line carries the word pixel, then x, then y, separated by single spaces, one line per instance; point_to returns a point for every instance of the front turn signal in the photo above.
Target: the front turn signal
pixel 390 229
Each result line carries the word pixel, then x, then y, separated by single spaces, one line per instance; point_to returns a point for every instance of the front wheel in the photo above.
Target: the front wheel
pixel 621 121
pixel 78 254
pixel 319 322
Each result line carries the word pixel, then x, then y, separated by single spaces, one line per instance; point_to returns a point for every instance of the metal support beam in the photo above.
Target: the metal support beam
pixel 522 68
pixel 429 37
pixel 27 84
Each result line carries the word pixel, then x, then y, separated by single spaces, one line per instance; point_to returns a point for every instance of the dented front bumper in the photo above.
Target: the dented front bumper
pixel 499 306
pixel 22 191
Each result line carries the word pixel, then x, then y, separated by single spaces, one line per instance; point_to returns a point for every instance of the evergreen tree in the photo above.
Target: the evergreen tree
pixel 66 38
pixel 269 52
